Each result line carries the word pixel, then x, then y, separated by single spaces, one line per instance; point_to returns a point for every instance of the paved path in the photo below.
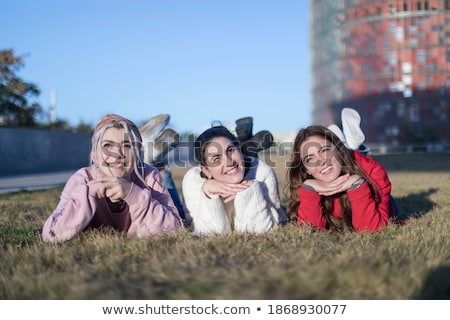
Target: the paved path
pixel 33 181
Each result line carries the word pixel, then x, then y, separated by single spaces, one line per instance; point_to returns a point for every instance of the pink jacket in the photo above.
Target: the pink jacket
pixel 148 210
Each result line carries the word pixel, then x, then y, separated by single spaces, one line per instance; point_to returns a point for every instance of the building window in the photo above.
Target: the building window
pixel 420 57
pixel 419 6
pixel 426 5
pixel 386 43
pixel 414 113
pixel 365 68
pixel 392 131
pixel 399 34
pixel 405 7
pixel 400 109
pixel 406 67
pixel 391 58
pixel 406 79
pixel 407 93
pixel 430 67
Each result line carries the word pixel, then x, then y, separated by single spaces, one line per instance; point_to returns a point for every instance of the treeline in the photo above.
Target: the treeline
pixel 18 99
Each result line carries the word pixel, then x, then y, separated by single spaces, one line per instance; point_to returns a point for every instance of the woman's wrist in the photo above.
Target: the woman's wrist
pixel 357 184
pixel 308 187
pixel 205 191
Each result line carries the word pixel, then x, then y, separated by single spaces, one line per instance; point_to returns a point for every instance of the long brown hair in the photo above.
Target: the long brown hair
pixel 297 173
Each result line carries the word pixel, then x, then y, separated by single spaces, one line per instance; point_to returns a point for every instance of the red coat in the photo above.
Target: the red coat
pixel 368 213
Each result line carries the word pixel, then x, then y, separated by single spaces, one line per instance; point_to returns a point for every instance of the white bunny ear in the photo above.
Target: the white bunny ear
pixel 351 121
pixel 150 131
pixel 337 131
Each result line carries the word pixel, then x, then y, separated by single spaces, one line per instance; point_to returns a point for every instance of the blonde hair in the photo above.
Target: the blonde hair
pixel 119 122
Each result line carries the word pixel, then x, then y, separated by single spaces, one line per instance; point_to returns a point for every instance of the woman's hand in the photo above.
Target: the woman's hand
pixel 227 191
pixel 114 188
pixel 340 184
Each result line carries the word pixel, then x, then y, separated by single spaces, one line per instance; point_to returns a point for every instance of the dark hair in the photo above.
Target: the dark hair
pixel 205 138
pixel 297 173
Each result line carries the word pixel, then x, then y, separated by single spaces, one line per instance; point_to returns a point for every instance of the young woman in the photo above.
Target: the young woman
pixel 117 190
pixel 333 187
pixel 228 192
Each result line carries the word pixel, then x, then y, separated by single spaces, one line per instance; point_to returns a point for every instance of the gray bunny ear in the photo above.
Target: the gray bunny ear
pixel 150 131
pixel 154 127
pixel 260 141
pixel 244 128
pixel 168 140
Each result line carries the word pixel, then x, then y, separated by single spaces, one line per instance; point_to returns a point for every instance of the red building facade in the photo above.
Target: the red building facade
pixel 390 60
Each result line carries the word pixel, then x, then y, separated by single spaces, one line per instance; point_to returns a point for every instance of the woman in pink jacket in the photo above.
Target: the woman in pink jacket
pixel 335 188
pixel 117 190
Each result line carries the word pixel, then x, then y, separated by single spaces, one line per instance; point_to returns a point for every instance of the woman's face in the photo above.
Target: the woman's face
pixel 114 155
pixel 319 156
pixel 224 161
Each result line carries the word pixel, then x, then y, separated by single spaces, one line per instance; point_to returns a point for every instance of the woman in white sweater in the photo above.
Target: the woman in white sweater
pixel 227 191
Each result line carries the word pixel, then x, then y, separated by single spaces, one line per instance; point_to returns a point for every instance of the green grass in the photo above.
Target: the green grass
pixel 399 262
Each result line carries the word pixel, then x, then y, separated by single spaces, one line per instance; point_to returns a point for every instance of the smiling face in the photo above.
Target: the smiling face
pixel 223 161
pixel 114 155
pixel 319 156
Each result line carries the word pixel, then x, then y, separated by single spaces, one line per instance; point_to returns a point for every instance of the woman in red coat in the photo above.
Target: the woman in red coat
pixel 335 188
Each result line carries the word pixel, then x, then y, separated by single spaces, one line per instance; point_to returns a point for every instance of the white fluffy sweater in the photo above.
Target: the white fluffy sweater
pixel 257 208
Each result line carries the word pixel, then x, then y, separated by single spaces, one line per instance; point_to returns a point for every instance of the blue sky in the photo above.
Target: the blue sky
pixel 198 60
